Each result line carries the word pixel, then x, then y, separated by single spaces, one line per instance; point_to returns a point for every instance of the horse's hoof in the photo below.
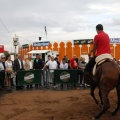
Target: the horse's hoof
pixel 113 113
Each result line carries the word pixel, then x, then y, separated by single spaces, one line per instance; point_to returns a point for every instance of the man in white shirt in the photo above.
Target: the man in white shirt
pixel 29 66
pixel 64 66
pixel 52 66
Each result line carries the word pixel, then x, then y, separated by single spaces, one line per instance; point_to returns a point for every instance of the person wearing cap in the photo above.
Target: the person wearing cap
pixel 2 72
pixel 3 58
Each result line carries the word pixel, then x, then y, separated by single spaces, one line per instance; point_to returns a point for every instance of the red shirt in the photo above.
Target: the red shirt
pixel 74 63
pixel 103 43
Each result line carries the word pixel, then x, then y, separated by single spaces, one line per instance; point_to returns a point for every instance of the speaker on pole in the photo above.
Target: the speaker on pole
pixel 40 38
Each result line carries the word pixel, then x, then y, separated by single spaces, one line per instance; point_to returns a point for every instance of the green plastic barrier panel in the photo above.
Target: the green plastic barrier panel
pixel 66 76
pixel 29 77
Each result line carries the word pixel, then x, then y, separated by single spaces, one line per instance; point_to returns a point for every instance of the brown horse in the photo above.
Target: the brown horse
pixel 107 78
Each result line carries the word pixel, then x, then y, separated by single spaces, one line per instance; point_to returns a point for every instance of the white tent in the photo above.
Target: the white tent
pixel 44 53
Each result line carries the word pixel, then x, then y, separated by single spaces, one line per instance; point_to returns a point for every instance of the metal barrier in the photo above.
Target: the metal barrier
pixel 59 79
pixel 48 77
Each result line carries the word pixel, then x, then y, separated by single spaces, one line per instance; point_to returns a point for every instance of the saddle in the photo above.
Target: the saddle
pixel 101 59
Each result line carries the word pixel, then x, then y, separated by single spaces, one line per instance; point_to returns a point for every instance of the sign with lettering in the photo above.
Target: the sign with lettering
pixel 65 76
pixel 115 40
pixel 83 41
pixel 26 77
pixel 45 43
pixel 25 46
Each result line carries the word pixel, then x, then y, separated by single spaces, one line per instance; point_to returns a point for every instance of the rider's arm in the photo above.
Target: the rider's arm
pixel 93 50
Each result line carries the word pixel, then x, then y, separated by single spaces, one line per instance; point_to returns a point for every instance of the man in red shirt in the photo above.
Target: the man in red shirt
pixel 101 45
pixel 74 62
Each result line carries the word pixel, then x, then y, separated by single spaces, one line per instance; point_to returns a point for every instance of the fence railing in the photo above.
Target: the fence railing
pixel 39 76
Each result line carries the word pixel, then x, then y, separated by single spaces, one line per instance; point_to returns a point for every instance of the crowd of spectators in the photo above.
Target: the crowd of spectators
pixel 9 69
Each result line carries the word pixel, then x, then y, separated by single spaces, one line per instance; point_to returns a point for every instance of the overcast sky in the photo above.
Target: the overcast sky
pixel 64 19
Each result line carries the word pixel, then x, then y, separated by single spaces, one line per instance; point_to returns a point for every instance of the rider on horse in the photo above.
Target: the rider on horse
pixel 101 45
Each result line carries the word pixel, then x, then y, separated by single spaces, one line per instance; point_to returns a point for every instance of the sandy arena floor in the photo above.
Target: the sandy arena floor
pixel 53 105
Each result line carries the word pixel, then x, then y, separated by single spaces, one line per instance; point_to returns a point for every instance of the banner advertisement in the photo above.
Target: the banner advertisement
pixel 115 40
pixel 65 76
pixel 29 77
pixel 25 46
pixel 83 41
pixel 90 41
pixel 45 43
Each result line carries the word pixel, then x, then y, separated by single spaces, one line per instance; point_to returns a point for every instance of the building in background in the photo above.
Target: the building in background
pixel 78 47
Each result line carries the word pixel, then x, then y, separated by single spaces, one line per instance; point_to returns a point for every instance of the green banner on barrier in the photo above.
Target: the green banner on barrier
pixel 29 77
pixel 65 76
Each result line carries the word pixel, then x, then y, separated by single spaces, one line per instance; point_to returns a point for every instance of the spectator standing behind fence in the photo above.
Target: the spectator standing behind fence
pixel 74 64
pixel 63 64
pixel 66 58
pixel 49 58
pixel 9 74
pixel 18 66
pixel 2 72
pixel 43 72
pixel 29 66
pixel 48 80
pixel 67 61
pixel 57 60
pixel 81 66
pixel 57 57
pixel 52 66
pixel 38 65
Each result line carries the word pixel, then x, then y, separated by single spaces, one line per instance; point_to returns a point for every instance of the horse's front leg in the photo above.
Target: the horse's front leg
pixel 118 104
pixel 100 95
pixel 106 104
pixel 92 93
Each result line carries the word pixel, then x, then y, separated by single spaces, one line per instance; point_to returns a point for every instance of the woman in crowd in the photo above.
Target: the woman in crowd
pixel 63 66
pixel 9 72
pixel 82 65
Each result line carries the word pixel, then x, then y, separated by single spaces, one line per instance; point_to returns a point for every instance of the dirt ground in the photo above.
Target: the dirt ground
pixel 53 105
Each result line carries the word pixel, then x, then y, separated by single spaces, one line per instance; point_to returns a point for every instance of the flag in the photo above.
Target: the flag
pixel 45 30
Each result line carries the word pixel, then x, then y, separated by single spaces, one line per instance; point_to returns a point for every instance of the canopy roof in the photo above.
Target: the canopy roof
pixel 38 51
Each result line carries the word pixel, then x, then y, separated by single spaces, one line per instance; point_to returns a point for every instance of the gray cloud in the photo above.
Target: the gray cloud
pixel 64 18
